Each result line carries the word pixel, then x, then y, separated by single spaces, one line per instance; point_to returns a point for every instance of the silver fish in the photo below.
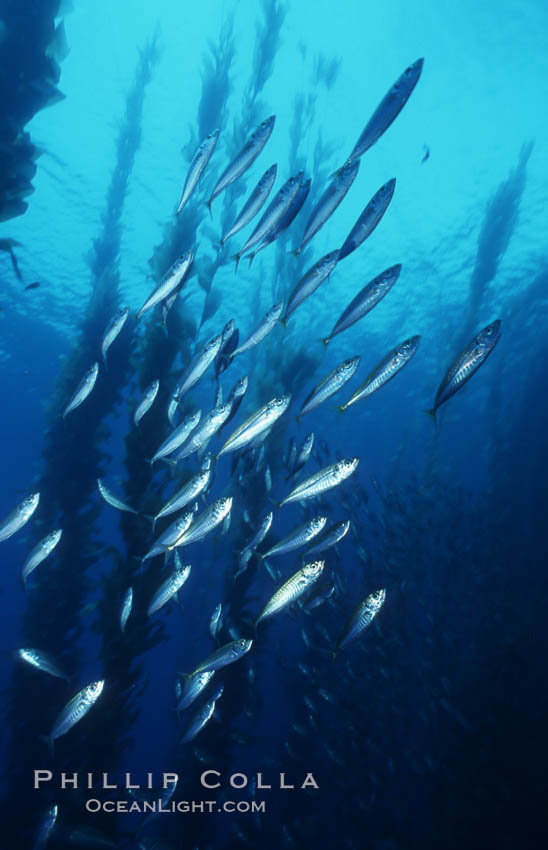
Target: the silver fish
pixel 290 591
pixel 387 369
pixel 235 397
pixel 365 300
pixel 264 328
pixel 329 201
pixel 388 110
pixel 230 337
pixel 42 661
pixel 369 219
pixel 330 385
pixel 110 499
pixel 171 280
pixel 204 523
pixel 244 159
pixel 146 402
pixel 361 618
pixel 310 282
pixel 168 589
pixel 178 436
pixel 193 685
pixel 187 493
pixel 83 389
pixel 76 709
pixel 45 828
pixel 113 329
pixel 199 721
pixel 226 654
pixel 170 535
pixel 292 211
pixel 467 363
pixel 214 620
pixel 203 433
pixel 273 214
pixel 167 304
pixel 198 365
pixel 197 167
pixel 254 203
pixel 40 552
pixel 260 534
pixel 299 537
pixel 260 421
pixel 323 480
pixel 125 610
pixel 329 538
pixel 21 515
pixel 302 456
pixel 172 406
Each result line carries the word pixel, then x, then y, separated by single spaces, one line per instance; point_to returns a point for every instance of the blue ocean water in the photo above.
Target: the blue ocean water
pixel 428 729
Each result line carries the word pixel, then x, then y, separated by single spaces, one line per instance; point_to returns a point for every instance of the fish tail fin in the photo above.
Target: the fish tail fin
pixel 341 408
pixel 283 322
pixel 326 340
pixel 333 655
pixel 251 256
pixel 432 412
pixel 236 258
pixel 208 205
pixel 294 252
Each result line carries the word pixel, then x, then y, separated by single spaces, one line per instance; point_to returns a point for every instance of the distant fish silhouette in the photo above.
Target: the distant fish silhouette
pixel 426 154
pixel 34 285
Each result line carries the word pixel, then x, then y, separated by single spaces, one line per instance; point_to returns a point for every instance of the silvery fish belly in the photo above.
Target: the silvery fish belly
pixel 225 655
pixel 170 535
pixel 329 201
pixel 177 436
pixel 42 661
pixel 387 369
pixel 192 687
pixel 388 109
pixel 19 516
pixel 171 280
pixel 199 365
pixel 83 389
pixel 267 325
pixel 274 212
pixel 261 533
pixel 112 500
pixel 330 385
pixel 329 538
pixel 199 721
pixel 362 617
pixel 322 481
pixel 260 421
pixel 254 203
pixel 146 402
pixel 365 300
pixel 168 589
pixel 300 537
pixel 245 158
pixel 204 523
pixel 190 491
pixel 467 363
pixel 125 611
pixel 294 587
pixel 77 708
pixel 205 431
pixel 114 327
pixel 40 552
pixel 197 167
pixel 369 219
pixel 310 281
